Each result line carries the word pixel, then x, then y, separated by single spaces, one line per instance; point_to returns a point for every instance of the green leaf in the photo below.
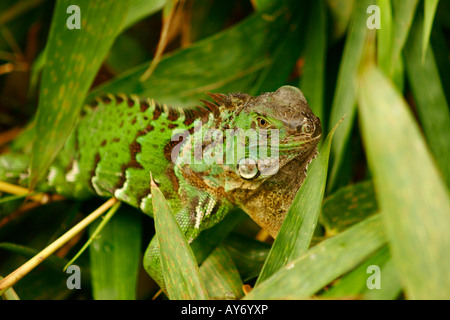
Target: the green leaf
pixel 214 14
pixel 139 9
pixel 285 54
pixel 429 95
pixel 220 275
pixel 54 262
pixel 385 35
pixel 181 274
pixel 183 77
pixel 403 17
pixel 296 232
pixel 347 206
pixel 73 58
pixel 345 95
pixel 248 254
pixel 391 285
pixel 323 263
pixel 48 281
pixel 430 11
pixel 95 232
pixel 313 79
pixel 341 11
pixel 412 196
pixel 261 5
pixel 354 284
pixel 115 256
pixel 209 239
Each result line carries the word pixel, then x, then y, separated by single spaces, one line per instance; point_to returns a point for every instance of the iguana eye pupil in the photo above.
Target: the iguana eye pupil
pixel 262 122
pixel 247 168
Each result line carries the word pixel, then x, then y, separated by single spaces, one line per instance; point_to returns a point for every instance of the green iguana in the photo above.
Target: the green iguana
pixel 120 140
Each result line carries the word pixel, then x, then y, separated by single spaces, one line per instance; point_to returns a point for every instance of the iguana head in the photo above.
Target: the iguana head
pixel 262 183
pixel 266 197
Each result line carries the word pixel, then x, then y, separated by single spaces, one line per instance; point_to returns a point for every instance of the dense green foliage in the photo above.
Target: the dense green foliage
pixel 378 193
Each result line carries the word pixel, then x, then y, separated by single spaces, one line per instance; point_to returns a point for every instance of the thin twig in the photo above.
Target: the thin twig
pixel 17 190
pixel 99 228
pixel 24 269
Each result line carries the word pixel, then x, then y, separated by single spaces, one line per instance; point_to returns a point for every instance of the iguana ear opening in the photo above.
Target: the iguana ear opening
pixel 247 169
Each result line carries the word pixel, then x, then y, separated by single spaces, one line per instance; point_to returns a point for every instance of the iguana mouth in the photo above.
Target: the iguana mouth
pixel 295 143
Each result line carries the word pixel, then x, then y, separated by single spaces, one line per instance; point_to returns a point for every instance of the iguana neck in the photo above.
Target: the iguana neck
pixel 268 204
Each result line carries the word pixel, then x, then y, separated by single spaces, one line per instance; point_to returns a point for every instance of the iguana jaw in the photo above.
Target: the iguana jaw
pixel 267 199
pixel 269 203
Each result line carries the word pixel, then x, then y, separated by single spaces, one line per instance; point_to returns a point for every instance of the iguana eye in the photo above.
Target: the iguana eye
pixel 262 122
pixel 247 168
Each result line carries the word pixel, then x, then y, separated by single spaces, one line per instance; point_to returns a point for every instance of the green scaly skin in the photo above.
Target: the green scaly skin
pixel 121 140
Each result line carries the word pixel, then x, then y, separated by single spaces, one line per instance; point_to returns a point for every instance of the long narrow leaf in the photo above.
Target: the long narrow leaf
pixel 220 275
pixel 323 263
pixel 139 9
pixel 347 206
pixel 430 11
pixel 296 232
pixel 354 284
pixel 345 96
pixel 73 57
pixel 181 274
pixel 286 53
pixel 413 198
pixel 248 254
pixel 313 78
pixel 94 234
pixel 184 76
pixel 115 256
pixel 403 17
pixel 385 35
pixel 429 95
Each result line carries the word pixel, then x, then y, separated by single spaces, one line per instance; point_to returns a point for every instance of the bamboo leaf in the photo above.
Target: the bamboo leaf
pixel 181 274
pixel 296 232
pixel 403 17
pixel 413 198
pixel 429 95
pixel 355 283
pixel 313 79
pixel 347 206
pixel 391 285
pixel 345 95
pixel 220 275
pixel 54 262
pixel 185 75
pixel 308 274
pixel 286 53
pixel 209 239
pixel 248 254
pixel 430 11
pixel 73 57
pixel 341 11
pixel 385 36
pixel 139 9
pixel 115 256
pixel 94 234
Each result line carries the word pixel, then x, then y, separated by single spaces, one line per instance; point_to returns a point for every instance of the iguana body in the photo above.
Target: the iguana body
pixel 121 140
